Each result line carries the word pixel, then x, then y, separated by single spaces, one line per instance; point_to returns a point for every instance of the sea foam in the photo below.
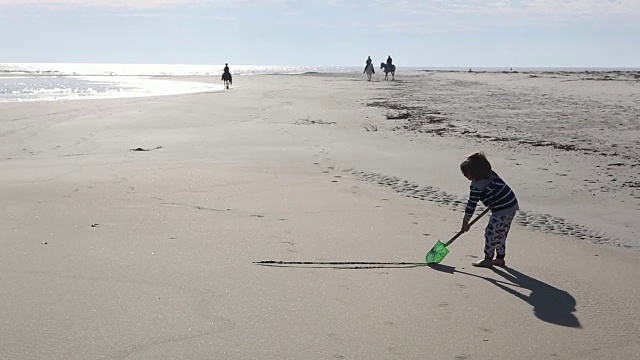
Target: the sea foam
pixel 54 88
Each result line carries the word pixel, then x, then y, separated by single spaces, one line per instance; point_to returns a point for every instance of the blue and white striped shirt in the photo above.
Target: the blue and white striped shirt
pixel 494 194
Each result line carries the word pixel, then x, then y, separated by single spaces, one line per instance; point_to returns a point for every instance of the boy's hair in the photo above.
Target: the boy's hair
pixel 476 166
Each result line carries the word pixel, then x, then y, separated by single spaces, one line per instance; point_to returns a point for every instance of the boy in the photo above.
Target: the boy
pixel 495 194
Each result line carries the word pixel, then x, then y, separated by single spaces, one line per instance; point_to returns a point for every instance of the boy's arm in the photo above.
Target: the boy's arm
pixel 474 196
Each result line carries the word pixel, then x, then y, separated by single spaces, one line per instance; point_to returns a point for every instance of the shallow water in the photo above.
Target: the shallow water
pixel 53 88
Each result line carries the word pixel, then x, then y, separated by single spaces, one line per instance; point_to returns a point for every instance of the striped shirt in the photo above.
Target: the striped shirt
pixel 494 194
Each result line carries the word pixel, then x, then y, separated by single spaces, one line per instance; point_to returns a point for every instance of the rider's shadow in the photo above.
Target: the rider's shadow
pixel 550 304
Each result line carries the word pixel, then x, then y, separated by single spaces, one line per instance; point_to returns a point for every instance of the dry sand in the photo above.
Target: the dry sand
pixel 111 253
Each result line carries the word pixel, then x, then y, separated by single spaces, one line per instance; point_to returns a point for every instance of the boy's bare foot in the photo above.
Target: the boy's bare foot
pixel 499 262
pixel 486 263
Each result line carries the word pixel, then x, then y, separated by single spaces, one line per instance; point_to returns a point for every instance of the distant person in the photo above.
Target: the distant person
pixel 368 63
pixel 495 194
pixel 226 76
pixel 389 61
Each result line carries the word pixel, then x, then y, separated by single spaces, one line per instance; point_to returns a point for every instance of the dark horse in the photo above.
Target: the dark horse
pixel 226 77
pixel 388 68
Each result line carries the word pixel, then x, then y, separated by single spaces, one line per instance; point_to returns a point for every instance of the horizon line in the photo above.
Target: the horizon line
pixel 333 65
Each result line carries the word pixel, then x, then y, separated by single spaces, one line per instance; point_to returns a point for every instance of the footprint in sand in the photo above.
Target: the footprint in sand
pixel 332 335
pixel 539 222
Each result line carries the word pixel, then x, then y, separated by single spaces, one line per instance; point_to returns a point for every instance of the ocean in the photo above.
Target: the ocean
pixel 53 88
pixel 60 81
pixel 68 81
pixel 70 69
pixel 53 82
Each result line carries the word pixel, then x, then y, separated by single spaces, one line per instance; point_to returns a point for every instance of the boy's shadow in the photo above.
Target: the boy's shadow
pixel 549 303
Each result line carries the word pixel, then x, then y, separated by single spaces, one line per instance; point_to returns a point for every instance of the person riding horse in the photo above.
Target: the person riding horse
pixel 368 63
pixel 388 68
pixel 226 75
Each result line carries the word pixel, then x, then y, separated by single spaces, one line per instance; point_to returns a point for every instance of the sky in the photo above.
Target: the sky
pixel 437 33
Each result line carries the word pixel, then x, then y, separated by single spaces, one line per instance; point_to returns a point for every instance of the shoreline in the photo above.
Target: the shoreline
pixel 161 70
pixel 28 89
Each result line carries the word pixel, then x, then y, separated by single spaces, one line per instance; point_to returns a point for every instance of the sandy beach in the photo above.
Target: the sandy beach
pixel 289 218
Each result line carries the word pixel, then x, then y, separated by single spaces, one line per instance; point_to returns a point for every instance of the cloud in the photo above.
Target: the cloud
pixel 559 8
pixel 470 15
pixel 113 3
pixel 406 16
pixel 582 7
pixel 520 7
pixel 135 3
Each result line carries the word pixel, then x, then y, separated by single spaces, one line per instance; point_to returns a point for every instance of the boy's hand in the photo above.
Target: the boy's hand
pixel 465 226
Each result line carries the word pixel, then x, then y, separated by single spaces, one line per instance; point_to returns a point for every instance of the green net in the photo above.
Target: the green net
pixel 437 253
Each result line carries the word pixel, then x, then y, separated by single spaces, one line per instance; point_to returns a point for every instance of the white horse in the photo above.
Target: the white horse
pixel 388 69
pixel 370 71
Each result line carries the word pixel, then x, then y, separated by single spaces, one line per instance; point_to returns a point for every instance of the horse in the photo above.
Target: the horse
pixel 370 71
pixel 226 77
pixel 388 69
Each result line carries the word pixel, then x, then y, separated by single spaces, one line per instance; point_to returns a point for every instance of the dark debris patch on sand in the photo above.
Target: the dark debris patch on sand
pixel 612 75
pixel 595 75
pixel 527 119
pixel 535 221
pixel 551 144
pixel 309 121
pixel 423 120
pixel 416 118
pixel 143 149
